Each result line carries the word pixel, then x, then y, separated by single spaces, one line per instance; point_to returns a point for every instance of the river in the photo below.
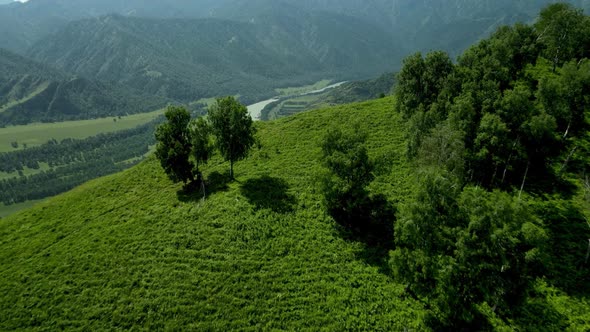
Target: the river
pixel 256 109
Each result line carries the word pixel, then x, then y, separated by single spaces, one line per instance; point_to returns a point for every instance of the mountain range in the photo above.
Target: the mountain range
pixel 33 92
pixel 186 51
pixel 188 59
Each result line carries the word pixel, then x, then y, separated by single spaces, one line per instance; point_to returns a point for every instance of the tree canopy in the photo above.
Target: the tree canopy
pixel 233 128
pixel 174 145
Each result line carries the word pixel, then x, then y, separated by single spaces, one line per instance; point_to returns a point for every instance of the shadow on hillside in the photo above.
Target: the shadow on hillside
pixel 550 183
pixel 215 182
pixel 478 323
pixel 568 229
pixel 538 315
pixel 268 192
pixel 372 224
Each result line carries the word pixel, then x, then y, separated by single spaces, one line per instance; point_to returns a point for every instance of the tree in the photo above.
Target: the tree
pixel 421 80
pixel 562 30
pixel 461 248
pixel 201 141
pixel 345 187
pixel 233 128
pixel 174 146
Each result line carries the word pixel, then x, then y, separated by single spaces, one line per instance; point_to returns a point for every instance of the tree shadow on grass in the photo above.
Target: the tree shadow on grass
pixel 193 192
pixel 268 192
pixel 371 223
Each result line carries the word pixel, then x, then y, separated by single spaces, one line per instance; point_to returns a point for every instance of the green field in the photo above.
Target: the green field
pixel 39 133
pixel 291 105
pixel 134 251
pixel 294 91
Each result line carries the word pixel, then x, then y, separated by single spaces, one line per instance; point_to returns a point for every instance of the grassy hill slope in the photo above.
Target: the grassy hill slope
pixel 133 250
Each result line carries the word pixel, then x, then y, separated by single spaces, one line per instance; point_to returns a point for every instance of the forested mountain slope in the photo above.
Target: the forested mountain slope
pixel 188 59
pixel 451 25
pixel 32 92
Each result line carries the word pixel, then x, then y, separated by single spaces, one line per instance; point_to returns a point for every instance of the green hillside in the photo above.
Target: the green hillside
pixel 348 92
pixel 32 92
pixel 133 250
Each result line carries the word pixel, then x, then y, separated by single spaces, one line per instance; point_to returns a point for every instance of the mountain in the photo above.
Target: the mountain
pixel 135 251
pixel 23 24
pixel 429 24
pixel 188 59
pixel 33 92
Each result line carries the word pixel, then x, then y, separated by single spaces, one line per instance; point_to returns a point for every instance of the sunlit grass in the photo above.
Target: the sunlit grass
pixel 39 133
pixel 134 251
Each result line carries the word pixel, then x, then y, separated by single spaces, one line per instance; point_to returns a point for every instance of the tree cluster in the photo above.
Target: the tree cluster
pixel 70 163
pixel 184 144
pixel 508 117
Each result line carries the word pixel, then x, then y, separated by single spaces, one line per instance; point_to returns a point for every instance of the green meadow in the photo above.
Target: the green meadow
pixel 39 133
pixel 135 251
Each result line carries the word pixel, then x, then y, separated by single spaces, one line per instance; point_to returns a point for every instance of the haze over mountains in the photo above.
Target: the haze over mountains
pixel 187 50
pixel 32 92
pixel 187 59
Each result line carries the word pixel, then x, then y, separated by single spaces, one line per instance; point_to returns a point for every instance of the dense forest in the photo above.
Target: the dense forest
pixel 500 139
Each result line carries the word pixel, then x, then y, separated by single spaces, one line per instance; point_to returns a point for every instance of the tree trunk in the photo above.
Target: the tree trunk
pixel 568 129
pixel 567 160
pixel 524 179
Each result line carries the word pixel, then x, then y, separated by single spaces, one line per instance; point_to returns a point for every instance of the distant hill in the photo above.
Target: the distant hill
pixel 451 25
pixel 349 92
pixel 187 59
pixel 32 92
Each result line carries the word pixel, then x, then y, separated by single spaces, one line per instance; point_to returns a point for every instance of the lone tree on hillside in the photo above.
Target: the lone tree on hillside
pixel 350 171
pixel 232 126
pixel 174 145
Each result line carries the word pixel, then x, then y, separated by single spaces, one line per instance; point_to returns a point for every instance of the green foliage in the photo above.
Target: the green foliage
pixel 350 171
pixel 514 123
pixel 233 128
pixel 345 155
pixel 174 145
pixel 201 141
pixel 421 80
pixel 513 111
pixel 462 248
pixel 563 31
pixel 443 149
